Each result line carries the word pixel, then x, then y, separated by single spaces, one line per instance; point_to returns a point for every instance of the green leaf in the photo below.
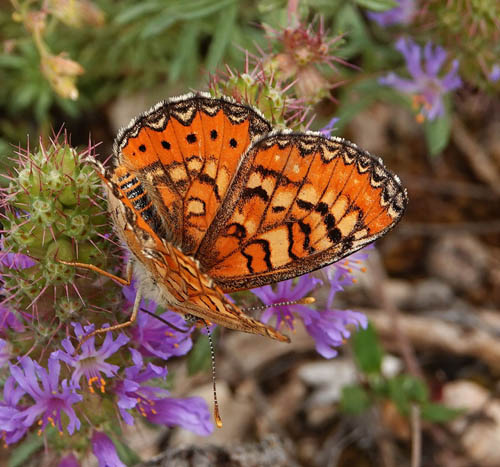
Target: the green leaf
pixel 405 389
pixel 437 133
pixel 377 5
pixel 222 37
pixel 21 454
pixel 124 451
pixel 134 12
pixel 188 45
pixel 367 350
pixel 354 399
pixel 439 413
pixel 183 12
pixel 199 358
pixel 12 61
pixel 349 21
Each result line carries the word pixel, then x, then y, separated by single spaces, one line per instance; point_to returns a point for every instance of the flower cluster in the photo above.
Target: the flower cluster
pixel 56 380
pixel 426 87
pixel 53 210
pixel 304 51
pixel 329 327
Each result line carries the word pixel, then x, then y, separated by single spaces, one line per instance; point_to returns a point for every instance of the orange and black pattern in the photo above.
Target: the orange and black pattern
pixel 210 200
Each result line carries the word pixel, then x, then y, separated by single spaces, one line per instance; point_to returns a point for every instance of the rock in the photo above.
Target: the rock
pixel 479 435
pixel 459 260
pixel 270 452
pixel 327 378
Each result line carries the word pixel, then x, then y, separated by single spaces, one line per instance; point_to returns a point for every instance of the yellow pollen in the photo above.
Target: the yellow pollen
pixel 349 270
pixel 168 333
pixel 153 411
pixel 420 118
pixel 61 433
pixel 39 432
pixel 363 269
pixel 40 422
pixel 358 261
pixel 176 345
pixel 354 280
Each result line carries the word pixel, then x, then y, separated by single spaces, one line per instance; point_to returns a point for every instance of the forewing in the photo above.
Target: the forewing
pixel 185 152
pixel 298 202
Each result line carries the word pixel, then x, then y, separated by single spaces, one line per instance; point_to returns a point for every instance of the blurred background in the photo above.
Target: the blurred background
pixel 414 82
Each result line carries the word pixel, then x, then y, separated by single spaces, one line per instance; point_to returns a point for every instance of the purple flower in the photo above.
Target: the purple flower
pixel 5 352
pixel 155 338
pixel 90 362
pixel 330 126
pixel 49 401
pixel 105 451
pixel 9 319
pixel 69 461
pixel 425 86
pixel 190 413
pixel 285 292
pixel 402 14
pixel 494 76
pixel 153 402
pixel 328 328
pixel 11 427
pixel 14 260
pixel 341 274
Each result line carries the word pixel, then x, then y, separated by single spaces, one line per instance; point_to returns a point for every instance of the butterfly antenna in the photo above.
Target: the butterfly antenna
pixel 301 301
pixel 218 419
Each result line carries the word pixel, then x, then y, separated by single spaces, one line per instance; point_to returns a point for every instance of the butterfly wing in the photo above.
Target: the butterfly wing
pixel 297 203
pixel 185 151
pixel 165 274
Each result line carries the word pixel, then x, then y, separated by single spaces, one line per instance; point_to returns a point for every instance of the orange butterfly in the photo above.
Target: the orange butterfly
pixel 209 200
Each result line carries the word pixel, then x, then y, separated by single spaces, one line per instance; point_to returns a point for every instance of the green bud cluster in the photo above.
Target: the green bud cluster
pixel 257 90
pixel 53 211
pixel 469 27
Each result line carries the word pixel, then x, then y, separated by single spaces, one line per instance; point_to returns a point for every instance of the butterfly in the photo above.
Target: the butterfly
pixel 209 199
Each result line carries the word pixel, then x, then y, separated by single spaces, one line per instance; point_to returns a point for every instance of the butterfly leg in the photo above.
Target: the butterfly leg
pixel 91 267
pixel 133 317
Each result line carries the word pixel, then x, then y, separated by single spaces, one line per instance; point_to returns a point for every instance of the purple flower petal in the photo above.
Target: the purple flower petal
pixel 402 14
pixel 105 451
pixel 50 400
pixel 69 461
pixel 90 362
pixel 494 75
pixel 427 88
pixel 190 413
